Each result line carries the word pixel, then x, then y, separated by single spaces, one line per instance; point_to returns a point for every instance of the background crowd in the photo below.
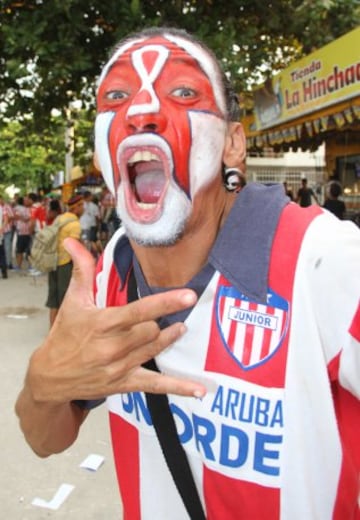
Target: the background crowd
pixel 23 216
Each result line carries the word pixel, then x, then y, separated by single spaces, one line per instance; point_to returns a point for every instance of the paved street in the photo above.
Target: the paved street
pixel 24 476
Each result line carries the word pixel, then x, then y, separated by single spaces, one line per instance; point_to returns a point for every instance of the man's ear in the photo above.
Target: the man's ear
pixel 235 147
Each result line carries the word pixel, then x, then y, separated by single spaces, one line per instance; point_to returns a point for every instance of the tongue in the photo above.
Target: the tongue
pixel 149 186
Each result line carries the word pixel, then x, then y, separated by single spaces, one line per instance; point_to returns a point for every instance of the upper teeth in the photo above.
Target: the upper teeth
pixel 143 156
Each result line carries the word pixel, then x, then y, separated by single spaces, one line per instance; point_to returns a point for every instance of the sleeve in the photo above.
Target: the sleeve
pixel 74 230
pixel 335 286
pixel 89 405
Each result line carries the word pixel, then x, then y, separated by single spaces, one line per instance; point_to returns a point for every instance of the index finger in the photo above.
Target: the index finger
pixel 154 306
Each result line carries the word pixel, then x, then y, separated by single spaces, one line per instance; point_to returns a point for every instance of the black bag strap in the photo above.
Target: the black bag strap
pixel 165 428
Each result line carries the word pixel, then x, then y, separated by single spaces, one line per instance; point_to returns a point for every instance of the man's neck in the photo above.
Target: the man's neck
pixel 176 265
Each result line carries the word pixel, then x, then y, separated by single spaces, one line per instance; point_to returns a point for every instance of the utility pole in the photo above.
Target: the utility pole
pixel 69 145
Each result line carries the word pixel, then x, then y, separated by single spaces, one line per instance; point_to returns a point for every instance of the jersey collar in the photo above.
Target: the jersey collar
pixel 243 247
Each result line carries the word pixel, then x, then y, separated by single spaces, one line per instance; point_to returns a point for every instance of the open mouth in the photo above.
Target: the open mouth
pixel 145 173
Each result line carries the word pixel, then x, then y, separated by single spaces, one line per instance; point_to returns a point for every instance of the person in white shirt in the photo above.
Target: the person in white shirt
pixel 89 222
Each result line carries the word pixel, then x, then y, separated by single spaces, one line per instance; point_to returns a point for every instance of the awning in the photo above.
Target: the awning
pixel 307 132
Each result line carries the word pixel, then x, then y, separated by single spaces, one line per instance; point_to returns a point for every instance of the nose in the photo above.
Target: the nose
pixel 152 122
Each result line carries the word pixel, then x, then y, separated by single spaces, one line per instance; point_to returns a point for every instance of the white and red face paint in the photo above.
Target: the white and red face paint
pixel 161 96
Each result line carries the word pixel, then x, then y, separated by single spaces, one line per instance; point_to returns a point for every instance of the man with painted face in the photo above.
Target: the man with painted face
pixel 258 353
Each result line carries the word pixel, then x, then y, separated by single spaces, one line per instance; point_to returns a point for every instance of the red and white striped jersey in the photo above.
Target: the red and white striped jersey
pixel 275 336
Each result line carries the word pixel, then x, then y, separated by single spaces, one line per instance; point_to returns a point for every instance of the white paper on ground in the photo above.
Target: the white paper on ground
pixel 92 462
pixel 60 496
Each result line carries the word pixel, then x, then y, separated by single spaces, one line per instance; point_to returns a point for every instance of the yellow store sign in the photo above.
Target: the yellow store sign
pixel 321 79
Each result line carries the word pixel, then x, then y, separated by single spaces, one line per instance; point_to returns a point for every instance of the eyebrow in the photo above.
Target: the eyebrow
pixel 117 64
pixel 191 62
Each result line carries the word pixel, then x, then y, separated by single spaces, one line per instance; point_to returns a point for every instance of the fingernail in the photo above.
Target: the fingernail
pixel 189 298
pixel 182 329
pixel 177 331
pixel 199 394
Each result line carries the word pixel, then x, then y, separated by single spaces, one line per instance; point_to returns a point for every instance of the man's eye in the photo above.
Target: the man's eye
pixel 116 95
pixel 184 92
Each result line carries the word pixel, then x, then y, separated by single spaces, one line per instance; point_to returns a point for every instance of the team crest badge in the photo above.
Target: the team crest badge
pixel 251 332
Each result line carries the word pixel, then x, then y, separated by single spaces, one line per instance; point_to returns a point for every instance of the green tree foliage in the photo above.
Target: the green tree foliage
pixel 54 49
pixel 30 159
pixel 51 51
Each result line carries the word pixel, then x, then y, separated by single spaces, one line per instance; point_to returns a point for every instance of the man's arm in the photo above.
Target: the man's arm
pixel 91 353
pixel 315 197
pixel 48 428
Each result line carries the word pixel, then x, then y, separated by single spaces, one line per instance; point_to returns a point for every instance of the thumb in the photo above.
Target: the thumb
pixel 82 280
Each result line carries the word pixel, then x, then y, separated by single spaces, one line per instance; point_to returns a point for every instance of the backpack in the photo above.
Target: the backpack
pixel 43 254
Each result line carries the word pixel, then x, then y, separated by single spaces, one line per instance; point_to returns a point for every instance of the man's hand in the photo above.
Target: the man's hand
pixel 91 353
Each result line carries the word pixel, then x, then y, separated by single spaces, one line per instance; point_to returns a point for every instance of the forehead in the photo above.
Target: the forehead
pixel 178 49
